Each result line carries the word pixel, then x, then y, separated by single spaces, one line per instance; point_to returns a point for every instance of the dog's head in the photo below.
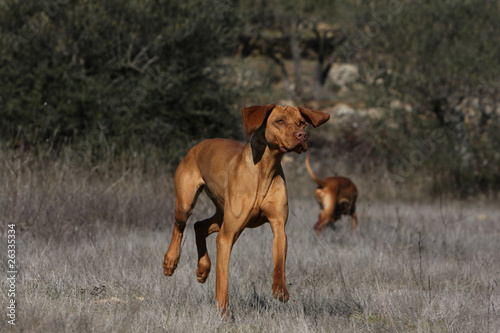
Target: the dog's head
pixel 282 126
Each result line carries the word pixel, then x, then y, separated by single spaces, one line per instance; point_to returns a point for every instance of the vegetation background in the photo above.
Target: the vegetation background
pixel 100 100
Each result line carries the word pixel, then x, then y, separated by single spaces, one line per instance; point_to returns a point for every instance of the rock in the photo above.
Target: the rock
pixel 286 102
pixel 343 74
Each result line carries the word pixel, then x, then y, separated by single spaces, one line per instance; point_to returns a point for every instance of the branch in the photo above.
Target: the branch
pixel 280 63
pixel 134 64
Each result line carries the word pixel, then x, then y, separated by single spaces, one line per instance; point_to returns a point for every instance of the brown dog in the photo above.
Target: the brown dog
pixel 336 197
pixel 246 185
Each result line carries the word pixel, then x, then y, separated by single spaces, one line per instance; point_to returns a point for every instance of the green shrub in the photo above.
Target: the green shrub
pixel 125 73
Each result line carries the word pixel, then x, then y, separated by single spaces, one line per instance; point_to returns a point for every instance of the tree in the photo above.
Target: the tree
pixel 284 29
pixel 135 72
pixel 442 58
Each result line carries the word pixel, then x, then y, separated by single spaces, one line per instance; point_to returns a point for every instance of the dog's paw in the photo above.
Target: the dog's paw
pixel 169 267
pixel 280 292
pixel 203 271
pixel 202 276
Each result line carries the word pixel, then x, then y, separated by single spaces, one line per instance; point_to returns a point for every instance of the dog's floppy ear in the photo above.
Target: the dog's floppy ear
pixel 316 118
pixel 254 116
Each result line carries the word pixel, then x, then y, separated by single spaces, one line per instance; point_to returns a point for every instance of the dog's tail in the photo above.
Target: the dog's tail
pixel 311 173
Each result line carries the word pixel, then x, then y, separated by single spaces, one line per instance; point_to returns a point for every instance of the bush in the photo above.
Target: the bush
pixel 122 73
pixel 441 59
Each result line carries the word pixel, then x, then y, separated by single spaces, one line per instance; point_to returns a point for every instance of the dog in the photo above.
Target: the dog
pixel 336 197
pixel 247 186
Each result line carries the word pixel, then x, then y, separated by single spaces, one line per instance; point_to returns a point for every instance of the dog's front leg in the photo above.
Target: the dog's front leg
pixel 279 257
pixel 275 210
pixel 225 241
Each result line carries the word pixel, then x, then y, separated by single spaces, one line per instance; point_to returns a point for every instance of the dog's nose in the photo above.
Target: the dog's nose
pixel 301 135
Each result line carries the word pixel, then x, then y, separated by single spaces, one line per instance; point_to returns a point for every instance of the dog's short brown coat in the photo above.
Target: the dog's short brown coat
pixel 336 197
pixel 246 185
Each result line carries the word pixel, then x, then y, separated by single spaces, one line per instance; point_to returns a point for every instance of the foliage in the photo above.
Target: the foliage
pixel 129 73
pixel 297 29
pixel 441 60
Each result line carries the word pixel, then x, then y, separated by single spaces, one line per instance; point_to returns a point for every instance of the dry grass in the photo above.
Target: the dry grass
pixel 91 246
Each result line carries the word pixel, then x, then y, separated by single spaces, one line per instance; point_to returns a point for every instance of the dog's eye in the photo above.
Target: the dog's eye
pixel 280 121
pixel 302 123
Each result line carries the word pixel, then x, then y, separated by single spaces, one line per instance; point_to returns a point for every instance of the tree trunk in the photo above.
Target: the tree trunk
pixel 294 46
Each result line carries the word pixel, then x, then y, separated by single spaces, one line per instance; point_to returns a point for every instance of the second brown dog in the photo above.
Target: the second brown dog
pixel 336 197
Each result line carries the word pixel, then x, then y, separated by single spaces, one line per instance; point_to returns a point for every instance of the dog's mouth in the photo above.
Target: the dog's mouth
pixel 285 149
pixel 300 147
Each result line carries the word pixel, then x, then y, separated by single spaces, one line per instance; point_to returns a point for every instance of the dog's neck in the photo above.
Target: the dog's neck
pixel 262 154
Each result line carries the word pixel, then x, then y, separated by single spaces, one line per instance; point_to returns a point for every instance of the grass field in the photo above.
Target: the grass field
pixel 90 246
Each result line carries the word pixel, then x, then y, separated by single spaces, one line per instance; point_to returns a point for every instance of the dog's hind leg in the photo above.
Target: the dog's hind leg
pixel 188 186
pixel 354 217
pixel 203 229
pixel 327 211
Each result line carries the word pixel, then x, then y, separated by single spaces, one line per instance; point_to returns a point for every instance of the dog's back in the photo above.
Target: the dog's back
pixel 344 188
pixel 346 194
